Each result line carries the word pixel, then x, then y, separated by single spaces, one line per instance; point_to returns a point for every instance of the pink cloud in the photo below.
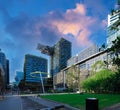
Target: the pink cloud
pixel 77 23
pixel 80 9
pixel 74 22
pixel 104 23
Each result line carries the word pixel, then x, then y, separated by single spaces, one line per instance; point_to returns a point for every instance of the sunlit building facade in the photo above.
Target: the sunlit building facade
pixel 113 30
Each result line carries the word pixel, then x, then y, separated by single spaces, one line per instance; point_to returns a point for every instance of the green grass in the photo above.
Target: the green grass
pixel 79 100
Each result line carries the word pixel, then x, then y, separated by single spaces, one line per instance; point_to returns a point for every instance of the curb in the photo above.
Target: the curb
pixel 60 105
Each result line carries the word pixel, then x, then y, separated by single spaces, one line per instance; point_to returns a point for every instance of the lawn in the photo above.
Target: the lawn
pixel 79 100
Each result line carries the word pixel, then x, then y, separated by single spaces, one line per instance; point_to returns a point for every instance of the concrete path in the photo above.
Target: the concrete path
pixel 52 105
pixel 114 107
pixel 29 104
pixel 15 102
pixel 48 104
pixel 11 103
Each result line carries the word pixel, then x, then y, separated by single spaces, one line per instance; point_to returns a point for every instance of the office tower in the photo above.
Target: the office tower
pixel 2 78
pixel 4 64
pixel 59 54
pixel 34 64
pixel 3 60
pixel 18 77
pixel 7 72
pixel 113 29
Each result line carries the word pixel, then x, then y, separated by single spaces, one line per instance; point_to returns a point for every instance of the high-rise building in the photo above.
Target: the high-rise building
pixel 59 54
pixel 2 78
pixel 62 52
pixel 7 72
pixel 18 77
pixel 3 60
pixel 5 65
pixel 113 29
pixel 32 65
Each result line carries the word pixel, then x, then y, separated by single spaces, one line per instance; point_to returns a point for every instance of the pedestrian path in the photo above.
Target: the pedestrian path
pixel 11 103
pixel 20 102
pixel 51 105
pixel 114 107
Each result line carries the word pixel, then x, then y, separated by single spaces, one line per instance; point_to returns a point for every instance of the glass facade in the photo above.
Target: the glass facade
pixel 3 60
pixel 5 65
pixel 112 34
pixel 19 76
pixel 62 52
pixel 33 64
pixel 113 17
pixel 93 49
pixel 59 54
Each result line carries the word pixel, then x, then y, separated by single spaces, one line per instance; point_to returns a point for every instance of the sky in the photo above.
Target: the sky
pixel 25 23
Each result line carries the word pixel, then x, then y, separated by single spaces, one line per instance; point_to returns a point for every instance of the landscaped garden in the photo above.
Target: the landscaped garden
pixel 79 100
pixel 105 84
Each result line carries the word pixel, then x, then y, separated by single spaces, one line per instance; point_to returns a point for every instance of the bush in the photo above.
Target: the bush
pixel 100 82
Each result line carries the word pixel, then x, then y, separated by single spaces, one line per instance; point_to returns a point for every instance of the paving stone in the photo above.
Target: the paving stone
pixel 30 104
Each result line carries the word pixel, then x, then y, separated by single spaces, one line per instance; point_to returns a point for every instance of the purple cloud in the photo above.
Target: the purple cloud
pixel 21 33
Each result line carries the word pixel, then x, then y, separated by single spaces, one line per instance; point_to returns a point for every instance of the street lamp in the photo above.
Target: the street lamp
pixel 39 72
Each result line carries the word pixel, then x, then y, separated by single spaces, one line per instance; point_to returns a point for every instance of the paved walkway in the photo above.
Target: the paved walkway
pixel 11 103
pixel 15 102
pixel 48 104
pixel 114 107
pixel 52 105
pixel 29 104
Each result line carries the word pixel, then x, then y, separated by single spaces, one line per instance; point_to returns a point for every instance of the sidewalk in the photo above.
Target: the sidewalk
pixel 11 103
pixel 48 104
pixel 52 105
pixel 114 107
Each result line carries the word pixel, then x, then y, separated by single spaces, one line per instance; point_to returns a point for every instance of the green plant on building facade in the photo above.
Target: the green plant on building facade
pixel 97 66
pixel 73 78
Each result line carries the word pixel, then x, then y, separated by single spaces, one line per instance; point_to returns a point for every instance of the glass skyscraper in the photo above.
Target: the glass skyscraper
pixel 59 54
pixel 62 52
pixel 4 63
pixel 18 77
pixel 32 66
pixel 113 30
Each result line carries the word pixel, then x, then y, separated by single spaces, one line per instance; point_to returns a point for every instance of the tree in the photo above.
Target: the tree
pixel 115 50
pixel 97 66
pixel 100 82
pixel 103 47
pixel 72 77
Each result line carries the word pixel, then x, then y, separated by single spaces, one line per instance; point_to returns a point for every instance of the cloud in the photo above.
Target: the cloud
pixel 29 31
pixel 80 9
pixel 53 26
pixel 24 32
pixel 73 22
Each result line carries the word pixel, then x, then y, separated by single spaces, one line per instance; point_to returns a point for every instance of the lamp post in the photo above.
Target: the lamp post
pixel 39 72
pixel 42 83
